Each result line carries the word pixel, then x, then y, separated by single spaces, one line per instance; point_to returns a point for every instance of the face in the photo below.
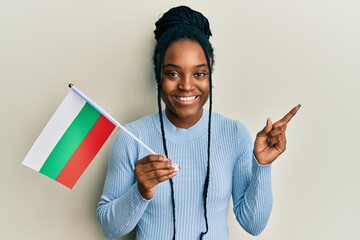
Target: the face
pixel 185 82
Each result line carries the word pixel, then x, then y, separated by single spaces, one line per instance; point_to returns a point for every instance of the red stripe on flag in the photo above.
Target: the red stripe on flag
pixel 86 152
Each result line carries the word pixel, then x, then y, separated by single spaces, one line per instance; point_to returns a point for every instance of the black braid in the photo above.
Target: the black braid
pixel 184 15
pixel 207 178
pixel 164 145
pixel 177 24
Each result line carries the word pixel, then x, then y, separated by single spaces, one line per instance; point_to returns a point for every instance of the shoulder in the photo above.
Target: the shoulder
pixel 230 130
pixel 222 123
pixel 143 128
pixel 143 123
pixel 230 134
pixel 139 128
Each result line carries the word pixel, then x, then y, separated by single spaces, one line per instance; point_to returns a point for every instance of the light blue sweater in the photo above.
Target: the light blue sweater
pixel 234 172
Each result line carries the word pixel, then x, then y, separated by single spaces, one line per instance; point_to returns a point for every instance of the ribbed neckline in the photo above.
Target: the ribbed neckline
pixel 179 135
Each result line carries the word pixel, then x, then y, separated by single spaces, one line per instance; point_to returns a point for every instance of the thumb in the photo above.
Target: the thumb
pixel 265 131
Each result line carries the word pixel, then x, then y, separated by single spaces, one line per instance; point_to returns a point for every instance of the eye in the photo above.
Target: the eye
pixel 172 74
pixel 200 75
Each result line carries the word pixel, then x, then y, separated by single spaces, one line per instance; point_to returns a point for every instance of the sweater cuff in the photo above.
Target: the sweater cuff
pixel 260 169
pixel 133 197
pixel 261 165
pixel 139 194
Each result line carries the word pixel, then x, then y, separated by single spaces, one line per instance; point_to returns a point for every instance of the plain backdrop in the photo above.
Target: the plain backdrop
pixel 270 56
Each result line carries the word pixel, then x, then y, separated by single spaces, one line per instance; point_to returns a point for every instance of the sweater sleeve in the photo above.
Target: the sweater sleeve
pixel 121 205
pixel 252 192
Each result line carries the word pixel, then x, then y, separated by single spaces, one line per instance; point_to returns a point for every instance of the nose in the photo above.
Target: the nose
pixel 186 83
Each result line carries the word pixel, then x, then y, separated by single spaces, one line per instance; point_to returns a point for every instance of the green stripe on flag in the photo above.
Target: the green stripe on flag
pixel 70 141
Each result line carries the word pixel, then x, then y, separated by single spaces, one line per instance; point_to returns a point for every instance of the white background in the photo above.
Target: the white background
pixel 270 56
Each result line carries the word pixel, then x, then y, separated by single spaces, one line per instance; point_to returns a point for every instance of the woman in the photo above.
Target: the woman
pixel 217 156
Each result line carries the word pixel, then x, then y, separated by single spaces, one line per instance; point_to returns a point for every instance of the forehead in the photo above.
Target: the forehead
pixel 185 52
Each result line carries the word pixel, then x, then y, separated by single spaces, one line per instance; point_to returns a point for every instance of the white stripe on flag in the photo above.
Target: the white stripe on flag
pixel 54 130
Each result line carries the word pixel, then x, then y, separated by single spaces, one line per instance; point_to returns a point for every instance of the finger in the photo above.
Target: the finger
pixel 277 131
pixel 265 131
pixel 152 158
pixel 277 139
pixel 157 176
pixel 153 166
pixel 155 181
pixel 286 119
pixel 166 177
pixel 291 114
pixel 278 142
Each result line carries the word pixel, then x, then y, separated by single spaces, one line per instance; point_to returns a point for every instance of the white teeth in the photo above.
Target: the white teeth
pixel 185 98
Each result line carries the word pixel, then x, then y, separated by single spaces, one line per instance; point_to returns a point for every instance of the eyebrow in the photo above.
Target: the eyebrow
pixel 176 66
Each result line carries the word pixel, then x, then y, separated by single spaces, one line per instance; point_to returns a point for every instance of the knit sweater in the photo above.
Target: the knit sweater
pixel 234 171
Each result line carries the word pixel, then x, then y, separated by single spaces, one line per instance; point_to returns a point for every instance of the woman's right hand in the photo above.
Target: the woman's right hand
pixel 152 170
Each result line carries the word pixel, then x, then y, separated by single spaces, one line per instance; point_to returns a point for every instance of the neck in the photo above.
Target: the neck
pixel 187 122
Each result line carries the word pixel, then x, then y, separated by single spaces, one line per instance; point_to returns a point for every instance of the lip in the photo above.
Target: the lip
pixel 186 100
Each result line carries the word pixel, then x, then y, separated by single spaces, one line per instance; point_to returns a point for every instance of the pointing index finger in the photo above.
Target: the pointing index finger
pixel 291 114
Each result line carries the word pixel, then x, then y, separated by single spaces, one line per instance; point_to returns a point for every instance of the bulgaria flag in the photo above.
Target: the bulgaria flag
pixel 70 140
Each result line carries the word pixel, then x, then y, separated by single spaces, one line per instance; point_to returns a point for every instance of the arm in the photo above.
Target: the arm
pixel 121 205
pixel 252 193
pixel 130 185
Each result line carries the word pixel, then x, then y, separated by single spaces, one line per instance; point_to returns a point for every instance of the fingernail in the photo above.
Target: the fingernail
pixel 299 105
pixel 269 119
pixel 175 167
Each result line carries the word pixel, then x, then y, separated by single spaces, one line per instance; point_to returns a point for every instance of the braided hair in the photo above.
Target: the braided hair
pixel 177 24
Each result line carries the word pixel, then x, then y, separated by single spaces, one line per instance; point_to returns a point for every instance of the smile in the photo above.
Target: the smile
pixel 186 99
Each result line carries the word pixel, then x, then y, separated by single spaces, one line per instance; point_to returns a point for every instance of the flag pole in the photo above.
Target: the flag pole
pixel 108 116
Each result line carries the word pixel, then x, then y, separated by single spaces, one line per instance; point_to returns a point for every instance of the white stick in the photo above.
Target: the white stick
pixel 108 116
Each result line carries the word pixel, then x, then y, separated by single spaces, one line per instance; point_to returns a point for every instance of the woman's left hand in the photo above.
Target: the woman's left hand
pixel 271 141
